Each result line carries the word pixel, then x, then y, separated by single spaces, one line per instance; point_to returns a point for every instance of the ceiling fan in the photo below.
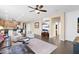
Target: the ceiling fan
pixel 38 9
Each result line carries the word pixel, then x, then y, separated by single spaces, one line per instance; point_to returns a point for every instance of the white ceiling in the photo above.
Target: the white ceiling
pixel 21 12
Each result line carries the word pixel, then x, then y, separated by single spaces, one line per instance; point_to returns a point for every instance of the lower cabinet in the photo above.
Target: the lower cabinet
pixel 45 36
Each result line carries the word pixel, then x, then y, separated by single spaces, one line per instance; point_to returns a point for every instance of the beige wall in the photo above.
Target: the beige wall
pixel 71 22
pixel 36 30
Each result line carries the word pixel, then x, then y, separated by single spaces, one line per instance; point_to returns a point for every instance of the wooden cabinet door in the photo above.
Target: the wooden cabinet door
pixel 10 24
pixel 2 22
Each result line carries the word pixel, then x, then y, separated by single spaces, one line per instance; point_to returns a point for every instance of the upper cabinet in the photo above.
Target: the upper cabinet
pixel 2 22
pixel 10 24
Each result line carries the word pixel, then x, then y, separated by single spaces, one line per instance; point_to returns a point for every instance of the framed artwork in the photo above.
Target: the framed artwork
pixel 78 25
pixel 36 24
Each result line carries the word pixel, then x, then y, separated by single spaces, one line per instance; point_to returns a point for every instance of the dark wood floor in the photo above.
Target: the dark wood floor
pixel 64 47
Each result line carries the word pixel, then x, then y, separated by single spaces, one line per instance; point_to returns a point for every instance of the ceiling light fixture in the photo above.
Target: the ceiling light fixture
pixel 38 9
pixel 38 12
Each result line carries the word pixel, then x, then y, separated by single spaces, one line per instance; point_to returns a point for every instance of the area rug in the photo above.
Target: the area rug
pixel 39 46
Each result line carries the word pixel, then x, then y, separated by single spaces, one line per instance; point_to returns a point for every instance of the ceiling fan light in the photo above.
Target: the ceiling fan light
pixel 37 11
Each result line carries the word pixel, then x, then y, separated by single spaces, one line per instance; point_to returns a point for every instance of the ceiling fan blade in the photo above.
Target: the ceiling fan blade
pixel 41 6
pixel 32 11
pixel 43 10
pixel 31 7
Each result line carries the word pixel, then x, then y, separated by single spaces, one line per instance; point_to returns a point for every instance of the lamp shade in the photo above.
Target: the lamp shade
pixel 1 27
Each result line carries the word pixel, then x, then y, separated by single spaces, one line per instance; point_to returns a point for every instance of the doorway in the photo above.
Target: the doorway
pixel 29 30
pixel 56 28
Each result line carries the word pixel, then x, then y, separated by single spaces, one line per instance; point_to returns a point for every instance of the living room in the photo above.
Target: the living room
pixel 40 27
